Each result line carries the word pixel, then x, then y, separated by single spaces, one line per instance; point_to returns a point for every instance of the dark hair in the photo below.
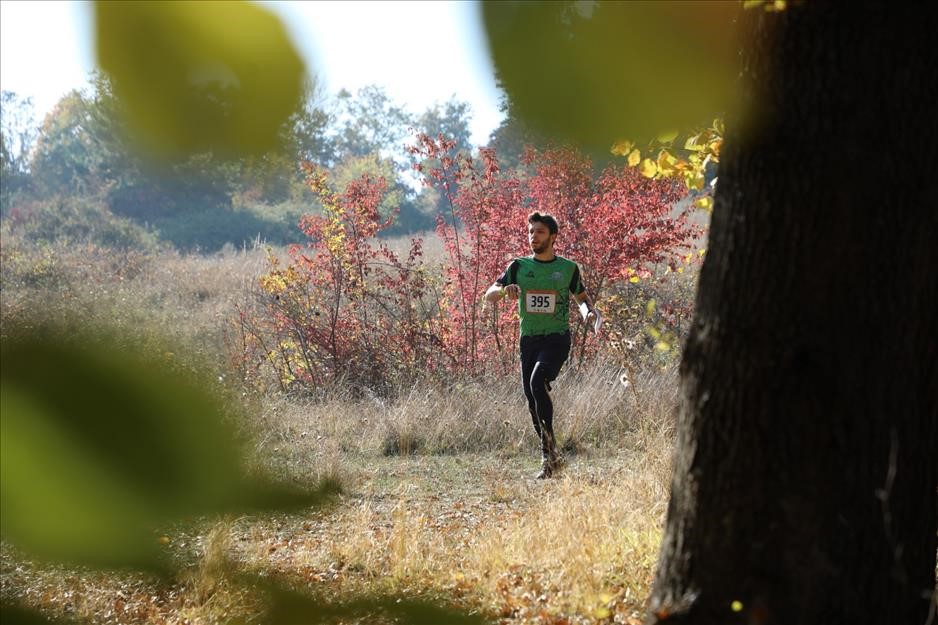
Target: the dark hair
pixel 547 220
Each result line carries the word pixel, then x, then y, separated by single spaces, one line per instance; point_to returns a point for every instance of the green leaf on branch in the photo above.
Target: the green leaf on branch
pixel 593 73
pixel 100 448
pixel 199 76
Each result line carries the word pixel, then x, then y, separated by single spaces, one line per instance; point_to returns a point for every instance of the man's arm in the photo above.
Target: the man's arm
pixel 497 291
pixel 504 285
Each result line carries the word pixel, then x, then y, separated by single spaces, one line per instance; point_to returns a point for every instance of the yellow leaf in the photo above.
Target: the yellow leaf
pixel 635 157
pixel 701 251
pixel 692 143
pixel 621 148
pixel 662 346
pixel 602 612
pixel 666 163
pixel 634 280
pixel 650 307
pixel 667 137
pixel 694 180
pixel 649 169
pixel 705 203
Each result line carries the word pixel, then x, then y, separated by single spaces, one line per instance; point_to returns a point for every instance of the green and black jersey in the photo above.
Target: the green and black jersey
pixel 544 305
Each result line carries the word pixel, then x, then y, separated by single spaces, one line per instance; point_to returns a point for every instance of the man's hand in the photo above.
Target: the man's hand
pixel 591 316
pixel 596 319
pixel 496 292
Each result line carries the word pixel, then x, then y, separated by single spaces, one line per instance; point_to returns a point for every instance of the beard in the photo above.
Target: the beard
pixel 539 248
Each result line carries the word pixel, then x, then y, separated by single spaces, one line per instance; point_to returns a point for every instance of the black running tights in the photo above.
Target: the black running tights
pixel 541 360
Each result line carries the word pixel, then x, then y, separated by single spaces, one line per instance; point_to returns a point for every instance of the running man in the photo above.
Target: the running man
pixel 542 284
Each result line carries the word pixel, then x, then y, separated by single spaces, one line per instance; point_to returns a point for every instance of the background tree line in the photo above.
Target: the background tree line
pixel 75 174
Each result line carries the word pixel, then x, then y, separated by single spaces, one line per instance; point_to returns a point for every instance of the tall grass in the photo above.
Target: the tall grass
pixel 161 297
pixel 593 410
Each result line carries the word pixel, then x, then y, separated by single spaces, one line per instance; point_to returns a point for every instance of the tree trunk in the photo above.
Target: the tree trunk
pixel 806 472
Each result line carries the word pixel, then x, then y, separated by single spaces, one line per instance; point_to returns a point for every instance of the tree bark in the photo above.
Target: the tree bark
pixel 806 471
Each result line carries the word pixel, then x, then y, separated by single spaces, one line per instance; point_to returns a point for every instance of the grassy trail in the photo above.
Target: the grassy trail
pixel 474 530
pixel 440 500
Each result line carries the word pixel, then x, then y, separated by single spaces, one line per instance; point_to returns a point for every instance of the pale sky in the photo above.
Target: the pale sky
pixel 420 52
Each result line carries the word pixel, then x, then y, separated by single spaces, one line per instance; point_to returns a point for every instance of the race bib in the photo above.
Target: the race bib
pixel 540 302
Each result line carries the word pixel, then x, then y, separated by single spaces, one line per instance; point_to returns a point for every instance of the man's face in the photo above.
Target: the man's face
pixel 540 238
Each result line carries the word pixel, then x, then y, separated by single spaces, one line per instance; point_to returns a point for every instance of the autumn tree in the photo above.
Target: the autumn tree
pixel 450 120
pixel 17 137
pixel 368 122
pixel 805 477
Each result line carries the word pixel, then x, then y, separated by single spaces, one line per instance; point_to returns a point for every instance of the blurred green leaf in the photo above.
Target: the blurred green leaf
pixel 99 448
pixel 199 76
pixel 288 607
pixel 15 615
pixel 594 73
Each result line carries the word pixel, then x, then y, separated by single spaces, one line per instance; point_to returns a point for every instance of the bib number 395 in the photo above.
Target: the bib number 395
pixel 540 302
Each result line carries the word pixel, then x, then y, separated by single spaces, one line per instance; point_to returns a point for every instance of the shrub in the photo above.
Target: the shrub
pixel 77 220
pixel 345 307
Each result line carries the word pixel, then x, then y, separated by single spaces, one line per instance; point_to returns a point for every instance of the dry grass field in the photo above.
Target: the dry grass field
pixel 438 502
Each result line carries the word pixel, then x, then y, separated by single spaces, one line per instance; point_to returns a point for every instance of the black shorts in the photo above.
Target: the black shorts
pixel 551 350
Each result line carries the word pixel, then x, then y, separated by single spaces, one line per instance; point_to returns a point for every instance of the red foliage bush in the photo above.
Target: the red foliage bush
pixel 346 308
